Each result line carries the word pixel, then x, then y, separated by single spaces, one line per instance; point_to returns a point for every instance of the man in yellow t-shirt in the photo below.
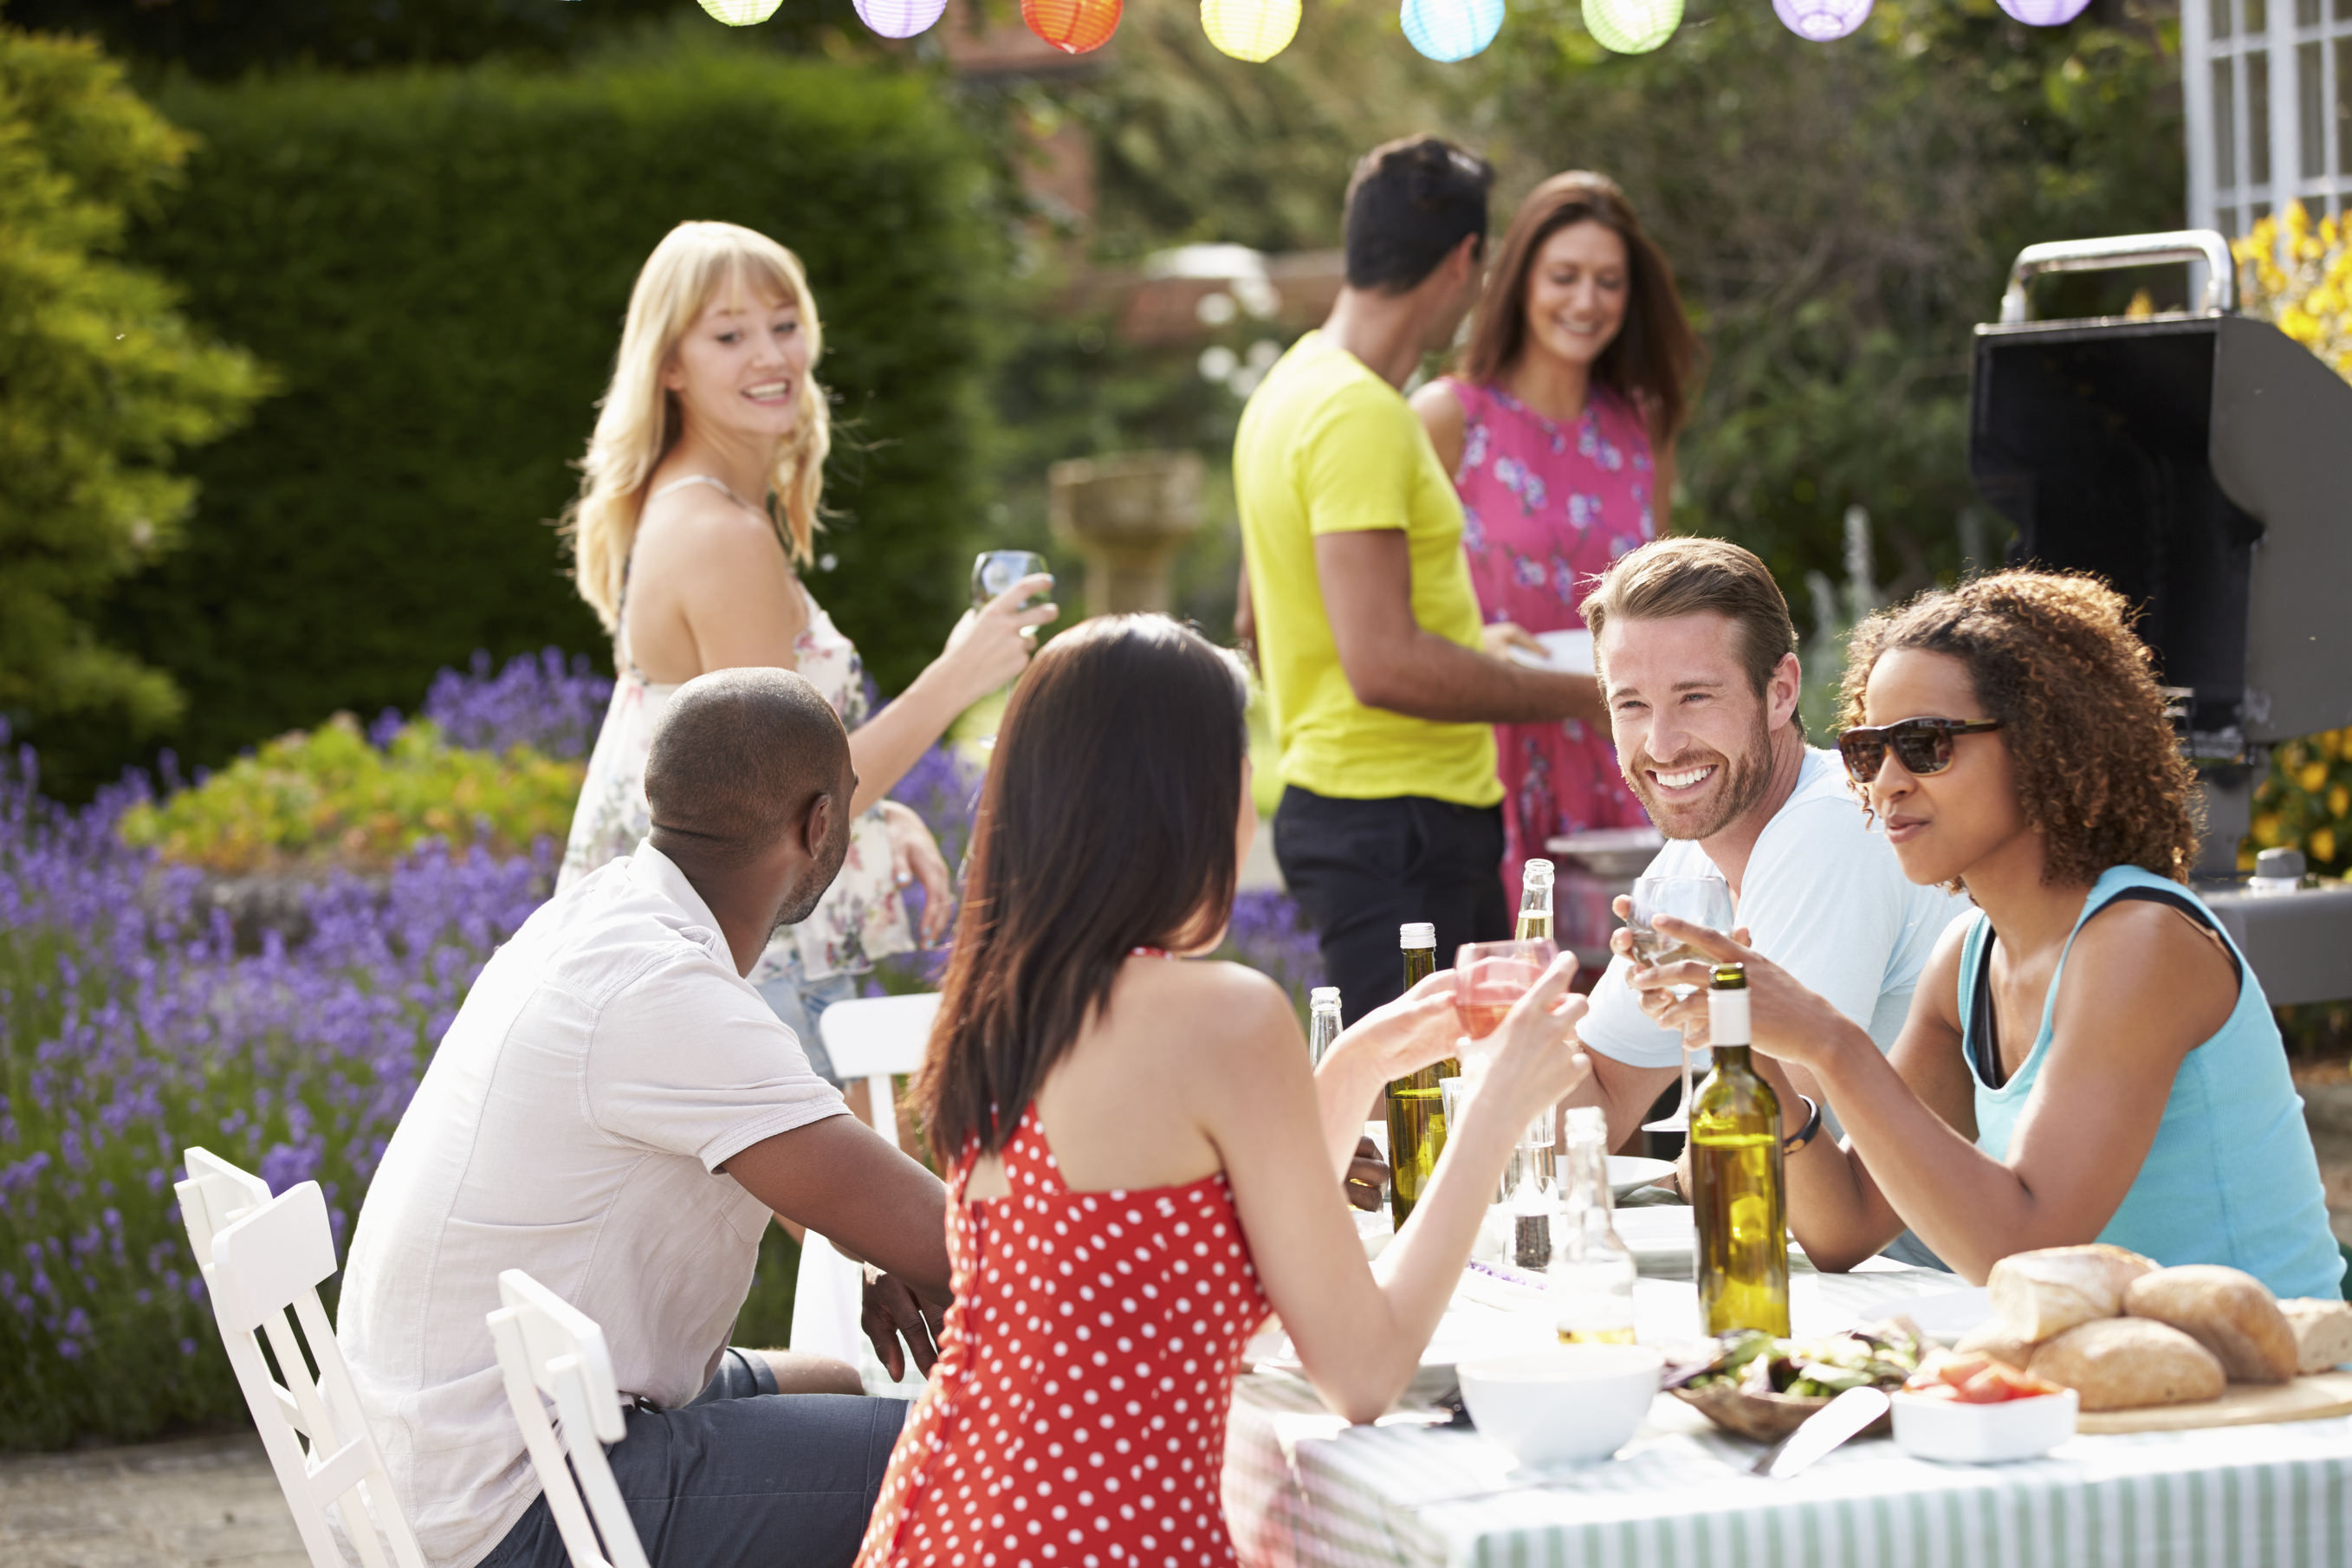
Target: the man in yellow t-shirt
pixel 1359 601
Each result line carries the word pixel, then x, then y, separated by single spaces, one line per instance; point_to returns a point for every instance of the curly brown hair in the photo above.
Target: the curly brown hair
pixel 2053 658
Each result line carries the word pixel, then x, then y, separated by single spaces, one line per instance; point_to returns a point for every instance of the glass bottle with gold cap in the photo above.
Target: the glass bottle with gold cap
pixel 1736 1187
pixel 1416 1106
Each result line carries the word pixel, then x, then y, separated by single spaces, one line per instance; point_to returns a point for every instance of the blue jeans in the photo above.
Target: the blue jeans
pixel 743 1475
pixel 800 1003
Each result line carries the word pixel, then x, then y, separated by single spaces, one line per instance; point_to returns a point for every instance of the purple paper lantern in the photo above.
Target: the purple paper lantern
pixel 2044 13
pixel 1821 20
pixel 905 18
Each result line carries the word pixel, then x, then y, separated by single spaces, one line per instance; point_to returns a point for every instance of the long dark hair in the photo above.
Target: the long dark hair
pixel 1654 360
pixel 1107 822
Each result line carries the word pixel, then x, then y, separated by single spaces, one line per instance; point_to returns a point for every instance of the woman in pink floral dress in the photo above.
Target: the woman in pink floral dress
pixel 1559 429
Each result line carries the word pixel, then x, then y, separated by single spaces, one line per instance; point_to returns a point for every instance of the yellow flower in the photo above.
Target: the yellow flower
pixel 2322 844
pixel 2339 802
pixel 2311 775
pixel 2266 829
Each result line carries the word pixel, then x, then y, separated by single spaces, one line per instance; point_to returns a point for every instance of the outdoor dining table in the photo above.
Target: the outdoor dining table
pixel 1301 1486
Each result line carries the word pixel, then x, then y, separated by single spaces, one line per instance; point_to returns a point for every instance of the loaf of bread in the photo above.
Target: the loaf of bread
pixel 2322 1332
pixel 2227 1310
pixel 1995 1338
pixel 2123 1363
pixel 2043 1293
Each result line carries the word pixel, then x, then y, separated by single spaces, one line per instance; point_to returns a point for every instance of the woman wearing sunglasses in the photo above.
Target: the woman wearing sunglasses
pixel 2088 1057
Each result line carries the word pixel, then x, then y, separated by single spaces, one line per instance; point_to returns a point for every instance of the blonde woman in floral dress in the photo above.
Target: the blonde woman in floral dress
pixel 696 512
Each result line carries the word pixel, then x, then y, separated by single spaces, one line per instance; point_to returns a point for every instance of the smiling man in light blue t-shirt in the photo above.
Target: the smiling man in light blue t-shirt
pixel 1698 671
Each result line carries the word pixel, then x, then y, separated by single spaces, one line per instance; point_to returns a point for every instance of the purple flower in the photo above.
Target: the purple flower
pixel 538 702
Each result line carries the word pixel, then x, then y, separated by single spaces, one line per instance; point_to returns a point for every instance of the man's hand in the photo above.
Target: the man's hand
pixel 1367 1174
pixel 892 1312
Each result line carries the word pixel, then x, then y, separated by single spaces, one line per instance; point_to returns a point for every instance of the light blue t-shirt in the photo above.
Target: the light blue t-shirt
pixel 1824 897
pixel 2231 1177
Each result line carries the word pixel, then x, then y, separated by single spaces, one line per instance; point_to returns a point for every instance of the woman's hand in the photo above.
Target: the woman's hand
pixel 1408 1034
pixel 914 858
pixel 992 645
pixel 1501 636
pixel 1785 1020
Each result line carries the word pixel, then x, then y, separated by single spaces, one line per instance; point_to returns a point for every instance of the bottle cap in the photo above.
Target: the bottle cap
pixel 1323 994
pixel 1731 977
pixel 1417 934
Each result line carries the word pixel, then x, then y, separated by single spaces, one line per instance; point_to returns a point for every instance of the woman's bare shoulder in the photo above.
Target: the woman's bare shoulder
pixel 1208 1005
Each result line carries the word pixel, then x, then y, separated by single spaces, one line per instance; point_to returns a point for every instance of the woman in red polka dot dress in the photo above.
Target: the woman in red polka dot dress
pixel 1144 1165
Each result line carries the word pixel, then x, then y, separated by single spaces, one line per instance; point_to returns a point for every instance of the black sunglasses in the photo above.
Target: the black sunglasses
pixel 1922 745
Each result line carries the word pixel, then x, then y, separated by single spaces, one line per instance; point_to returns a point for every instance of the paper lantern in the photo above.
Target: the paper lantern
pixel 1634 27
pixel 1073 26
pixel 1252 31
pixel 741 13
pixel 2044 13
pixel 900 18
pixel 1821 20
pixel 1452 30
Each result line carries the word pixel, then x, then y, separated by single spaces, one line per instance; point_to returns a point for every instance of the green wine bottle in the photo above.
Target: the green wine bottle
pixel 1416 1104
pixel 1736 1178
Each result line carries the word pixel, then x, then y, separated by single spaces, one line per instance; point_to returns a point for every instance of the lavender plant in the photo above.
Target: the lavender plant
pixel 541 701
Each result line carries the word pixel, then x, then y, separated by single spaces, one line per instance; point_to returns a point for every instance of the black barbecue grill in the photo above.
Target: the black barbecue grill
pixel 2202 463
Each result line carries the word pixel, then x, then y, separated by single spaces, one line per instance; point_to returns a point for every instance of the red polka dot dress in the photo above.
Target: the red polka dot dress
pixel 1077 1412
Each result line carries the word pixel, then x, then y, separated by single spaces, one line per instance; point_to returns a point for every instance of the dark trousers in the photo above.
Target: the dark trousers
pixel 741 1476
pixel 1362 868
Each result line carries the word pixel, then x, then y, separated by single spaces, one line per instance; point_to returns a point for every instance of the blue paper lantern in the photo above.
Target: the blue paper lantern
pixel 1451 30
pixel 1821 20
pixel 900 18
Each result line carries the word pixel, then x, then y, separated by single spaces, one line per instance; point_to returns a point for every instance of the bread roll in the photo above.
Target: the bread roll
pixel 2122 1364
pixel 1995 1338
pixel 2227 1310
pixel 2322 1332
pixel 2044 1293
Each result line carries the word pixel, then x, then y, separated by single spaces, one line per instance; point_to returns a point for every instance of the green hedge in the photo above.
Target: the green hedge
pixel 437 262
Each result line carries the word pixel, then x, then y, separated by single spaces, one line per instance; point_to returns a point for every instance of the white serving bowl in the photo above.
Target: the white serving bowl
pixel 1563 1405
pixel 1983 1434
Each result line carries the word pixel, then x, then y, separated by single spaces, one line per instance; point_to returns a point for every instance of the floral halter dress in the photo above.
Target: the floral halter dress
pixel 1077 1412
pixel 1545 509
pixel 861 917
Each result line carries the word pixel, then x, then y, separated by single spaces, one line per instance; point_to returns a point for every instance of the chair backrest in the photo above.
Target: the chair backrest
pixel 216 1194
pixel 548 1346
pixel 265 1264
pixel 874 1037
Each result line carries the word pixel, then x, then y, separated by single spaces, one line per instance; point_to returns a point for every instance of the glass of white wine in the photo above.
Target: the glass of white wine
pixel 1701 901
pixel 994 571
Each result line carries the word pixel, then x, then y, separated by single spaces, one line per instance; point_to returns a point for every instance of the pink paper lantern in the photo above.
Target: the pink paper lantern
pixel 1821 20
pixel 2044 13
pixel 905 18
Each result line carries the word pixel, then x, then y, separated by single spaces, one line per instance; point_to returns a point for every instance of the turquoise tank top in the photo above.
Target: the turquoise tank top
pixel 2231 1177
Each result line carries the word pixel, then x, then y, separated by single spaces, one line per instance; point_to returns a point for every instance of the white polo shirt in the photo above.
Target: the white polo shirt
pixel 1824 897
pixel 606 1063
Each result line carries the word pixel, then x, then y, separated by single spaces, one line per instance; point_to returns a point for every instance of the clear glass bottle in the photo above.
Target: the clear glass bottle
pixel 1736 1187
pixel 1416 1109
pixel 1535 903
pixel 1593 1271
pixel 1531 1195
pixel 1322 1022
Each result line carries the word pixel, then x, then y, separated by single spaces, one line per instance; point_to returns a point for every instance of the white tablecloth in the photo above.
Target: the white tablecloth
pixel 1302 1486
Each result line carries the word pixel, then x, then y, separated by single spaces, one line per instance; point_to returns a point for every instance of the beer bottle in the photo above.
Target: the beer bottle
pixel 1322 1022
pixel 1416 1105
pixel 1736 1187
pixel 1535 903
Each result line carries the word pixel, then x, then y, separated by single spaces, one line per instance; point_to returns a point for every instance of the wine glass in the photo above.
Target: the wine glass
pixel 994 571
pixel 1701 901
pixel 1490 978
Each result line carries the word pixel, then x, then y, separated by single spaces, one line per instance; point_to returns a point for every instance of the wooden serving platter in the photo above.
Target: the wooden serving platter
pixel 2241 1405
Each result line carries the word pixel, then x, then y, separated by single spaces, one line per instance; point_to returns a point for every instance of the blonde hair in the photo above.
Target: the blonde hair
pixel 638 419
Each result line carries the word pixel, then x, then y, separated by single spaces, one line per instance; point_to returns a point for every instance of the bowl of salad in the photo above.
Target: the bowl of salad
pixel 1974 1410
pixel 1762 1387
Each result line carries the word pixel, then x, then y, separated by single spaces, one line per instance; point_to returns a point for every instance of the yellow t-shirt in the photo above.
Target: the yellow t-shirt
pixel 1326 447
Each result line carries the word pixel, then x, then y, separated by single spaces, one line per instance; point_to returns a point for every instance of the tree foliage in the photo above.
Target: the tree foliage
pixel 102 382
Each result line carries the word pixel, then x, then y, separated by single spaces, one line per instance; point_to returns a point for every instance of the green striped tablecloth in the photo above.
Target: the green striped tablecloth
pixel 1303 1487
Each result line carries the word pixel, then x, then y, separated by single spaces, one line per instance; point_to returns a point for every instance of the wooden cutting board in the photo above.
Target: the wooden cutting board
pixel 2241 1405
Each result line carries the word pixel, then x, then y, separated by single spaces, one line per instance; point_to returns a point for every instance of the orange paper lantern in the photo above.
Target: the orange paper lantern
pixel 1073 26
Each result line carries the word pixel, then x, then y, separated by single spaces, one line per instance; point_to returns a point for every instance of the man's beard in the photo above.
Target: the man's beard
pixel 801 902
pixel 1745 778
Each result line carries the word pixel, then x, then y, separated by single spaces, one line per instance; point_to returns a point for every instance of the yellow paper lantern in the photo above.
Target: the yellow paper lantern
pixel 1252 31
pixel 741 13
pixel 1632 26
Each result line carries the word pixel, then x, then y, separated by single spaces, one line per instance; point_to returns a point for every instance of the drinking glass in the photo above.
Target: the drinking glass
pixel 1490 978
pixel 1701 901
pixel 994 571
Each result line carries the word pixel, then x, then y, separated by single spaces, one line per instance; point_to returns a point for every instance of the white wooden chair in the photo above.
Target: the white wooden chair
pixel 548 1346
pixel 870 1038
pixel 263 1259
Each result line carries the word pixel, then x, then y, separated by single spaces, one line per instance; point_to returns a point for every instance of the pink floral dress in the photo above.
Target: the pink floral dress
pixel 1545 509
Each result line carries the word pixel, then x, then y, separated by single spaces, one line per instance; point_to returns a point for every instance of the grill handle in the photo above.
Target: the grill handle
pixel 2125 250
